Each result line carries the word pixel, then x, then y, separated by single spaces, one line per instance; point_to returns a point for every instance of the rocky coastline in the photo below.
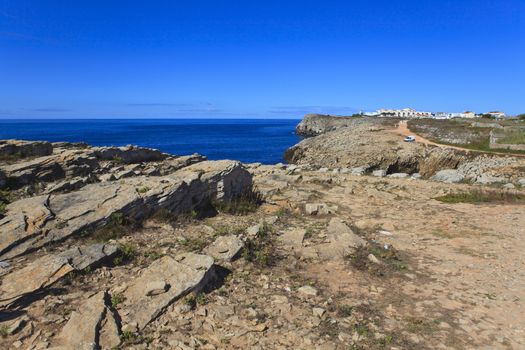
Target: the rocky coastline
pixel 132 248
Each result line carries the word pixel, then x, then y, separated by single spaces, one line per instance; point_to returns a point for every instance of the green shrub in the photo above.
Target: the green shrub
pixel 482 196
pixel 260 250
pixel 117 226
pixel 246 203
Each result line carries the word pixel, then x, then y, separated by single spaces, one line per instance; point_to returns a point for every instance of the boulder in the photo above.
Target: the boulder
pixel 48 269
pixel 379 173
pixel 521 182
pixel 181 275
pixel 398 175
pixel 358 171
pixel 485 179
pixel 448 176
pixel 225 248
pixel 92 326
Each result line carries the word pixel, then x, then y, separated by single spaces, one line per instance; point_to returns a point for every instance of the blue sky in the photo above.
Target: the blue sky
pixel 258 59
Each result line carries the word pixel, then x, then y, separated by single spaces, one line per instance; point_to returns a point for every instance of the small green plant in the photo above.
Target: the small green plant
pixel 118 159
pixel 361 329
pixel 142 190
pixel 190 300
pixel 385 341
pixel 193 244
pixel 117 299
pixel 201 299
pixel 260 250
pixel 223 230
pixel 5 199
pixel 4 331
pixel 127 336
pixel 152 255
pixel 126 252
pixel 345 310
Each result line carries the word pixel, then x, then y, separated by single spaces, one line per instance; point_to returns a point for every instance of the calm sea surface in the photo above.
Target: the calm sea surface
pixel 247 140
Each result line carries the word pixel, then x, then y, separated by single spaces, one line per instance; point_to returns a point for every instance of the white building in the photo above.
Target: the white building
pixel 468 114
pixel 403 113
pixel 497 114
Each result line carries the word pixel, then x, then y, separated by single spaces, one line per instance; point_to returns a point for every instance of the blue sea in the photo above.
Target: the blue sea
pixel 247 140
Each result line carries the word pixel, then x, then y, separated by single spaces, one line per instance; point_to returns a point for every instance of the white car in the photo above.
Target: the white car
pixel 410 138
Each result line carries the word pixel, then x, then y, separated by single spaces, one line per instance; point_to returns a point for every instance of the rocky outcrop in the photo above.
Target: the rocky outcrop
pixel 34 222
pixel 129 154
pixel 17 149
pixel 448 176
pixel 316 124
pixel 367 148
pixel 64 161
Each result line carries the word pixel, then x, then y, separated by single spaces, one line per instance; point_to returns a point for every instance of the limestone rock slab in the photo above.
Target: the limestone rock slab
pixel 179 275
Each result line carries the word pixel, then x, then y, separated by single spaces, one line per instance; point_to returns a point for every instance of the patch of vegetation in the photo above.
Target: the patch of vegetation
pixel 421 326
pixel 5 199
pixel 194 244
pixel 117 299
pixel 516 137
pixel 11 158
pixel 174 219
pixel 126 252
pixel 246 203
pixel 201 299
pixel 223 230
pixel 388 256
pixel 482 196
pixel 129 337
pixel 190 300
pixel 142 190
pixel 118 159
pixel 345 310
pixel 4 331
pixel 260 250
pixel 117 226
pixel 153 255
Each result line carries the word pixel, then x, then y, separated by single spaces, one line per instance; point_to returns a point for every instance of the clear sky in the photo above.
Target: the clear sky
pixel 258 59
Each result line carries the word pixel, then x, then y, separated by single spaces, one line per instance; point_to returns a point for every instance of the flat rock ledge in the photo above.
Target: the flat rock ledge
pixel 162 283
pixel 45 271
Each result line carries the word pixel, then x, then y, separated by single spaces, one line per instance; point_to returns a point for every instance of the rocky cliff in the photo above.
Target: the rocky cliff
pixel 316 124
pixel 365 145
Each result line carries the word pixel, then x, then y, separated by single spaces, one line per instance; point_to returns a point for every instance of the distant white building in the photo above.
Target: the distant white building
pixel 403 113
pixel 497 114
pixel 468 114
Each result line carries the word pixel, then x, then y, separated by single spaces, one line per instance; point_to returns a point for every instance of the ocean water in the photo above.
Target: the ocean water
pixel 247 140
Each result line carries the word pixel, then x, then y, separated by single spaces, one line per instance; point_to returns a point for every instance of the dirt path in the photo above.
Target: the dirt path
pixel 403 129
